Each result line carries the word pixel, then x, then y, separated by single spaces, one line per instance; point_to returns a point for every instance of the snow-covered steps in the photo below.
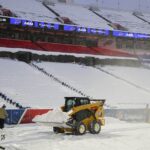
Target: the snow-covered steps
pixel 126 19
pixel 29 9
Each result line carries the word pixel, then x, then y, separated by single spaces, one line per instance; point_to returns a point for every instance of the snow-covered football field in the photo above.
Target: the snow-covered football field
pixel 115 135
pixel 31 87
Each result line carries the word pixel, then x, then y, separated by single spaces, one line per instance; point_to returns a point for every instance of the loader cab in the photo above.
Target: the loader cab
pixel 71 102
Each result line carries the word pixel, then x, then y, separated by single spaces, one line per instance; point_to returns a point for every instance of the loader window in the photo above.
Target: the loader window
pixel 74 102
pixel 70 103
pixel 84 101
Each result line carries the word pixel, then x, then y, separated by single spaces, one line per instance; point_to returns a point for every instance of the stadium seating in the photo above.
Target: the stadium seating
pixel 58 80
pixel 10 101
pixel 75 14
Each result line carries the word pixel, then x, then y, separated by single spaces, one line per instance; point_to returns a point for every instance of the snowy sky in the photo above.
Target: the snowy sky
pixel 140 5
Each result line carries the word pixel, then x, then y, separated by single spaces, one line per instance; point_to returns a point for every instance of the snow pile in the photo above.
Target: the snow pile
pixel 52 116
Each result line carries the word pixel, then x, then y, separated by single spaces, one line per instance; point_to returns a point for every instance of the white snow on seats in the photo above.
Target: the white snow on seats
pixel 126 19
pixel 29 9
pixel 80 15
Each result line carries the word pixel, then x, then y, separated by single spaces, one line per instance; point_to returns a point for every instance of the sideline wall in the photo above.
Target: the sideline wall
pixel 65 48
pixel 21 116
pixel 18 116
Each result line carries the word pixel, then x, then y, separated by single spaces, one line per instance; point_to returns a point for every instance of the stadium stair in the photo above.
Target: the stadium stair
pixel 58 80
pixel 50 9
pixel 139 17
pixel 101 16
pixel 64 20
pixel 110 23
pixel 122 79
pixel 10 101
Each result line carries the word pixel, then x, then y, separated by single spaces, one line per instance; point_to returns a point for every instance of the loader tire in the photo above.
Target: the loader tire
pixel 95 127
pixel 80 128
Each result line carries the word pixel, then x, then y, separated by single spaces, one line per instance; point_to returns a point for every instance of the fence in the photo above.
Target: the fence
pixel 140 115
pixel 16 116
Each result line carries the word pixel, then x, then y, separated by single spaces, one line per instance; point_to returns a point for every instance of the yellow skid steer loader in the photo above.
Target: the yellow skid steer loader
pixel 84 115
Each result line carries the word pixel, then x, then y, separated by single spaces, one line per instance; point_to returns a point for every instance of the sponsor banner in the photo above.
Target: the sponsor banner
pixel 19 116
pixel 29 114
pixel 14 116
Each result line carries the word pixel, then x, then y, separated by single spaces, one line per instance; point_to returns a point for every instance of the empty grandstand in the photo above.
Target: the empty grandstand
pixel 59 27
pixel 84 34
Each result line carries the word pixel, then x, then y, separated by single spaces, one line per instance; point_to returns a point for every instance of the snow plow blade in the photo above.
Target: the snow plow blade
pixel 53 124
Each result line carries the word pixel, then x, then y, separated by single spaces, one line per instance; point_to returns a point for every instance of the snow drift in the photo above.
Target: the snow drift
pixel 55 116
